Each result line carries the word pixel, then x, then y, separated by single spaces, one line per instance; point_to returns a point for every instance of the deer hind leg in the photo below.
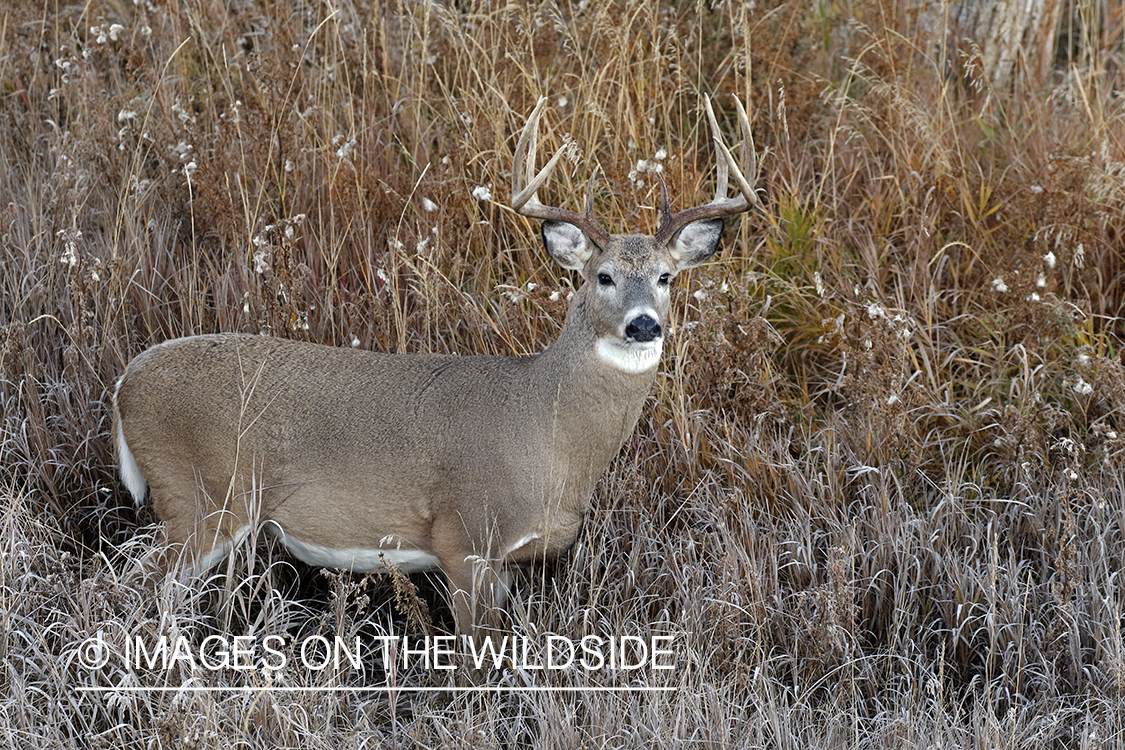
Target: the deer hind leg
pixel 200 532
pixel 200 546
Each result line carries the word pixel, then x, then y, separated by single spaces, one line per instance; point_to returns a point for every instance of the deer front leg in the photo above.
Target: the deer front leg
pixel 476 587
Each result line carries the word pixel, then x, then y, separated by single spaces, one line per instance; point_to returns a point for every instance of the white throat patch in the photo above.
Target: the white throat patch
pixel 631 356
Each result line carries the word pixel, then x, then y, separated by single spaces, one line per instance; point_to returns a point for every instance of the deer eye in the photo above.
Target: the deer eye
pixel 605 279
pixel 665 278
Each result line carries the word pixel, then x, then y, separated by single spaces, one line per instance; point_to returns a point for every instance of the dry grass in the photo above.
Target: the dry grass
pixel 877 500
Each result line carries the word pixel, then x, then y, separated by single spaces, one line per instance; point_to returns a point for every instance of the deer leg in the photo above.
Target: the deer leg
pixel 476 586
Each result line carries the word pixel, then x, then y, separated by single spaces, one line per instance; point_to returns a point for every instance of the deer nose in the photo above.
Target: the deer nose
pixel 642 328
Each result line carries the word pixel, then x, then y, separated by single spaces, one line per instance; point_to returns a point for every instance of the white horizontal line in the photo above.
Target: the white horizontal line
pixel 376 689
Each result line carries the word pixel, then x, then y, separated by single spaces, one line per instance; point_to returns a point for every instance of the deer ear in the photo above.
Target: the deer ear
pixel 696 243
pixel 567 244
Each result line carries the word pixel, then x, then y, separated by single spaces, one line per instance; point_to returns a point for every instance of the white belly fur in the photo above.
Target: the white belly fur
pixel 358 560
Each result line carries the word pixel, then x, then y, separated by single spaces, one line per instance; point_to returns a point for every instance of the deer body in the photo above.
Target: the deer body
pixel 313 434
pixel 355 458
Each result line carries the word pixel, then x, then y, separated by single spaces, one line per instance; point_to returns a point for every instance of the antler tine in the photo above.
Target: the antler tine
pixel 749 156
pixel 526 183
pixel 721 171
pixel 590 193
pixel 665 204
pixel 725 167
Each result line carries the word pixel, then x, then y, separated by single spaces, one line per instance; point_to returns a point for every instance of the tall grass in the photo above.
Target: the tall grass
pixel 877 498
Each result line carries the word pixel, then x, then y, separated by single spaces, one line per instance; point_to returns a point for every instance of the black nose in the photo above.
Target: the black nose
pixel 643 328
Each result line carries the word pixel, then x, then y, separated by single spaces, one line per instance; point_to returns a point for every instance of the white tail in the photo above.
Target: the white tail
pixel 131 475
pixel 355 458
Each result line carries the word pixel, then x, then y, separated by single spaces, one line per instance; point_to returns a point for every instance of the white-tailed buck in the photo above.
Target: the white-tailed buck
pixel 462 463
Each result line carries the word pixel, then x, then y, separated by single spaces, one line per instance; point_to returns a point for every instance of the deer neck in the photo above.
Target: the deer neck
pixel 594 403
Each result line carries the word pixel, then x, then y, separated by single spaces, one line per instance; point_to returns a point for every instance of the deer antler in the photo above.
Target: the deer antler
pixel 725 165
pixel 525 184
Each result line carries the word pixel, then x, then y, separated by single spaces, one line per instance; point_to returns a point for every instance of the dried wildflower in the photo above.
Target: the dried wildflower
pixel 344 152
pixel 68 67
pixel 105 33
pixel 644 166
pixel 138 186
pixel 261 261
pixel 69 255
pixel 483 192
pixel 183 115
pixel 182 149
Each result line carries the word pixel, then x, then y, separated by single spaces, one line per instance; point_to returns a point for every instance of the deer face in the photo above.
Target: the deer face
pixel 627 284
pixel 625 298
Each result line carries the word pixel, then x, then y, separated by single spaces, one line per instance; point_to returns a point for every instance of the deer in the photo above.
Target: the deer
pixel 363 460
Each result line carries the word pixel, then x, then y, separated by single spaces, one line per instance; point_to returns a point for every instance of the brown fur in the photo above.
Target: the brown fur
pixel 459 457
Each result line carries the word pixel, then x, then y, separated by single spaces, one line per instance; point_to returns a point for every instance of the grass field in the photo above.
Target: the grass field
pixel 877 498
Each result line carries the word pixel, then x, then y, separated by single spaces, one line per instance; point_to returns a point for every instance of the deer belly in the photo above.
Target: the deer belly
pixel 359 560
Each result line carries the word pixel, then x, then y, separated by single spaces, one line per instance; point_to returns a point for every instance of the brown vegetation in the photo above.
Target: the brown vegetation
pixel 878 497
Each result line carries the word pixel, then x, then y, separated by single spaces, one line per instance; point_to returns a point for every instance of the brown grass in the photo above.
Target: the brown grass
pixel 878 498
